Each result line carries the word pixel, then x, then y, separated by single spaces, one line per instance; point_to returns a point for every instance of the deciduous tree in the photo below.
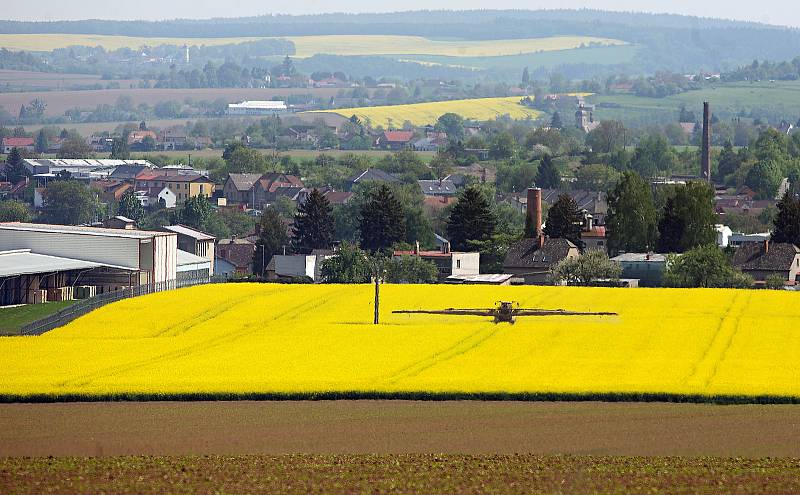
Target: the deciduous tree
pixel 585 270
pixel 131 207
pixel 688 219
pixel 631 220
pixel 69 202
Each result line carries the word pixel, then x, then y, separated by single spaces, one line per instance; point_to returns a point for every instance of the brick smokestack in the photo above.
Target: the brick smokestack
pixel 705 160
pixel 534 215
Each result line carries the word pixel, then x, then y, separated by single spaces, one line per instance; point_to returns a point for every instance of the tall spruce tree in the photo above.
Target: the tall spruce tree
pixel 15 167
pixel 272 238
pixel 382 221
pixel 471 219
pixel 556 122
pixel 313 224
pixel 787 221
pixel 548 176
pixel 631 219
pixel 564 220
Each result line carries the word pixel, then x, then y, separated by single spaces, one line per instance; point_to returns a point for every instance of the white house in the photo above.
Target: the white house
pixel 168 198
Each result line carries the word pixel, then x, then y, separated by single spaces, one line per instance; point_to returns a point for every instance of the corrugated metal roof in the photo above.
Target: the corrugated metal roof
pixel 69 229
pixel 187 231
pixel 24 262
pixel 187 258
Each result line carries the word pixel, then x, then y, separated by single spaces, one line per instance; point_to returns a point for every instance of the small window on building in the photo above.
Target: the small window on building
pixel 458 263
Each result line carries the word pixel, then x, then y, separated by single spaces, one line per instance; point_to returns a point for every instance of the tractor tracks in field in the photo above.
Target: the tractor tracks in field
pixel 205 345
pixel 705 369
pixel 462 346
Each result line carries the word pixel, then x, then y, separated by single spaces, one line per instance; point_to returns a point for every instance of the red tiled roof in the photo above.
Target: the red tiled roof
pixel 18 141
pixel 398 136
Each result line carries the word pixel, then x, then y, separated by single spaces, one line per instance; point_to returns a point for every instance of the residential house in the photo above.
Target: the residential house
pixel 165 198
pixel 448 263
pixel 237 252
pixel 173 139
pixel 647 268
pixel 593 236
pixel 100 144
pixel 110 190
pixel 433 141
pixel 438 188
pixel 531 259
pixel 763 260
pixel 183 184
pixel 334 197
pixel 136 138
pixel 239 188
pixel 21 143
pixel 129 172
pixel 255 190
pixel 194 241
pixel 395 140
pixel 372 175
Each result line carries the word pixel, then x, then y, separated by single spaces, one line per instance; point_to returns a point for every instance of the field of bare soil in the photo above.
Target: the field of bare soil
pixel 60 101
pixel 398 427
pixel 399 474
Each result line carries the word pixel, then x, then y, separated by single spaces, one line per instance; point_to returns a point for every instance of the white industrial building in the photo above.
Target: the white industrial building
pixel 258 107
pixel 36 257
pixel 89 168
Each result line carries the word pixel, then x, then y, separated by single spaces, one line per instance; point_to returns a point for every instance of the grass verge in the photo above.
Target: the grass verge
pixel 421 396
pixel 13 319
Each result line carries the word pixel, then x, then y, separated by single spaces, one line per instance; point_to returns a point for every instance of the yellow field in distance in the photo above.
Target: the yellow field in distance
pixel 393 116
pixel 291 339
pixel 307 46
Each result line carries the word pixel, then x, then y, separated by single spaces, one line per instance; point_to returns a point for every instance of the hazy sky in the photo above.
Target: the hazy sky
pixel 783 12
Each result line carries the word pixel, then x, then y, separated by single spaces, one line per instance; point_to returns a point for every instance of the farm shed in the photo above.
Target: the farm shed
pixel 190 266
pixel 31 278
pixel 195 242
pixel 152 255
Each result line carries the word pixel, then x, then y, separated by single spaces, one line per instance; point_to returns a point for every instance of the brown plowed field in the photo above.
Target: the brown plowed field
pixel 60 101
pixel 400 474
pixel 398 427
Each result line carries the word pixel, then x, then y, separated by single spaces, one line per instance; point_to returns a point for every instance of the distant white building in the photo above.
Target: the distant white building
pixel 738 239
pixel 724 234
pixel 168 197
pixel 258 107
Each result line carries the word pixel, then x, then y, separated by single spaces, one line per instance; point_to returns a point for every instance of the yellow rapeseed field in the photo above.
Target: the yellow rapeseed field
pixel 394 116
pixel 261 339
pixel 307 46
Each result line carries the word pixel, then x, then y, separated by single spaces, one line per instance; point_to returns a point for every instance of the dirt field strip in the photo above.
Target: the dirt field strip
pixel 399 474
pixel 398 427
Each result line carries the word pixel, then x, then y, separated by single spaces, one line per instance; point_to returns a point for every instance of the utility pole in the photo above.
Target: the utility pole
pixel 377 299
pixel 378 271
